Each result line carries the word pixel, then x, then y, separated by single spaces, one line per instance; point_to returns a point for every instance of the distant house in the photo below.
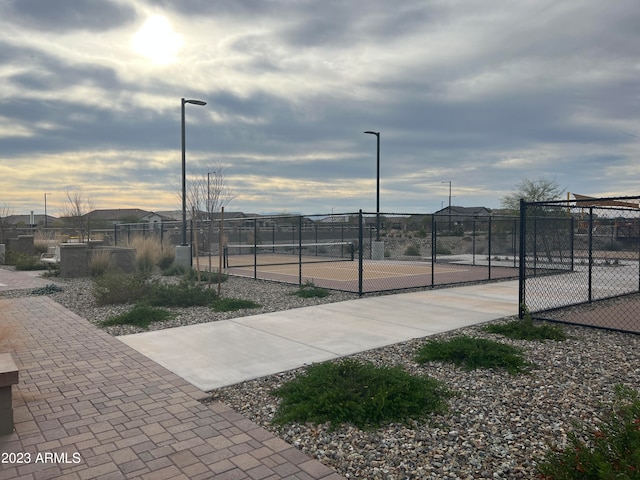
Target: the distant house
pixel 464 214
pixel 28 220
pixel 124 215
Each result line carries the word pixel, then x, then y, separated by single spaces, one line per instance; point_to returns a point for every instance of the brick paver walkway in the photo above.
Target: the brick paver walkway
pixel 10 280
pixel 88 406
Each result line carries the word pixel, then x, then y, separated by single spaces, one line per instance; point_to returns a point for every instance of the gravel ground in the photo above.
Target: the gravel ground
pixel 77 296
pixel 498 425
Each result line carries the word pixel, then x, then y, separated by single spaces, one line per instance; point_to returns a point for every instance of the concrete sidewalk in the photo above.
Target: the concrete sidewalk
pixel 217 354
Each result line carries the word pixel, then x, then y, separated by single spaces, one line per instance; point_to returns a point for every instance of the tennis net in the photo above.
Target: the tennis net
pixel 285 254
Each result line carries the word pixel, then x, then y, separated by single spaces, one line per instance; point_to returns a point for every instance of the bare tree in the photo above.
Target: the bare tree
pixel 207 194
pixel 73 212
pixel 550 232
pixel 539 190
pixel 208 191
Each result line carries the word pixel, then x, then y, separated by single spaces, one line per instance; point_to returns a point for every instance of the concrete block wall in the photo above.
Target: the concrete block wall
pixel 74 260
pixel 23 244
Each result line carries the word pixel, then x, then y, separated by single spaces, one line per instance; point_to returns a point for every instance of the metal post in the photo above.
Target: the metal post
pixel 473 242
pixel 434 239
pixel 300 251
pixel 255 248
pixel 184 165
pixel 572 242
pixel 377 134
pixel 360 259
pixel 590 253
pixel 184 179
pixel 523 258
pixel 489 247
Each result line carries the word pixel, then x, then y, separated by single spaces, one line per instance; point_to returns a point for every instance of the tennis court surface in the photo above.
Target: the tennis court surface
pixel 377 275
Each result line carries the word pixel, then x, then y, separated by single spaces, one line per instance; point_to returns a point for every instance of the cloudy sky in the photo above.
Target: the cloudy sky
pixel 477 93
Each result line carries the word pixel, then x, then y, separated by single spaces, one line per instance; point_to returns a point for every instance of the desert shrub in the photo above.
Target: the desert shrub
pixel 100 261
pixel 174 270
pixel 140 315
pixel 359 393
pixel 310 290
pixel 47 289
pixel 472 353
pixel 412 251
pixel 40 245
pixel 612 450
pixel 149 251
pixel 184 294
pixel 23 261
pixel 192 276
pixel 232 304
pixel 166 256
pixel 525 329
pixel 442 249
pixel 114 287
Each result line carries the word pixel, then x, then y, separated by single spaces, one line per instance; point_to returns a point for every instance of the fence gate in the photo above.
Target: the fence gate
pixel 580 261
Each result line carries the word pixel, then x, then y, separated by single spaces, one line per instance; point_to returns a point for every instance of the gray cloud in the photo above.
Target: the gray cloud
pixel 480 95
pixel 64 15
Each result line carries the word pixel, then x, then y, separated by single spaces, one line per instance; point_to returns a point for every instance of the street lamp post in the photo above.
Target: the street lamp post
pixel 45 209
pixel 377 134
pixel 184 174
pixel 209 218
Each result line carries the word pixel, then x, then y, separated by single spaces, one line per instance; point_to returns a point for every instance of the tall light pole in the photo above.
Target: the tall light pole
pixel 449 182
pixel 184 171
pixel 45 209
pixel 377 134
pixel 209 219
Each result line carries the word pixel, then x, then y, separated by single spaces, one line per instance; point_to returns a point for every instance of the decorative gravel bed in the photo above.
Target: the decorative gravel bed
pixel 498 425
pixel 77 296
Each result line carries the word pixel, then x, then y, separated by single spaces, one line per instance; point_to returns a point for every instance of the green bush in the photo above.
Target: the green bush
pixel 412 251
pixel 114 287
pixel 166 260
pixel 473 353
pixel 232 304
pixel 359 393
pixel 610 451
pixel 47 289
pixel 205 276
pixel 23 262
pixel 174 270
pixel 140 316
pixel 442 250
pixel 181 295
pixel 525 329
pixel 309 290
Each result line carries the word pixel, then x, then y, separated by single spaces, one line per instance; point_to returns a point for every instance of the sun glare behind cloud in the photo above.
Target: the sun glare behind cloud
pixel 157 41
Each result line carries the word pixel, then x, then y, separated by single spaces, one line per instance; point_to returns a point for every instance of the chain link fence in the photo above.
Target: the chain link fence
pixel 580 261
pixel 358 252
pixel 348 252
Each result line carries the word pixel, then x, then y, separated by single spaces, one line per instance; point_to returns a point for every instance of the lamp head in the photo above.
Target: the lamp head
pixel 194 102
pixel 372 133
